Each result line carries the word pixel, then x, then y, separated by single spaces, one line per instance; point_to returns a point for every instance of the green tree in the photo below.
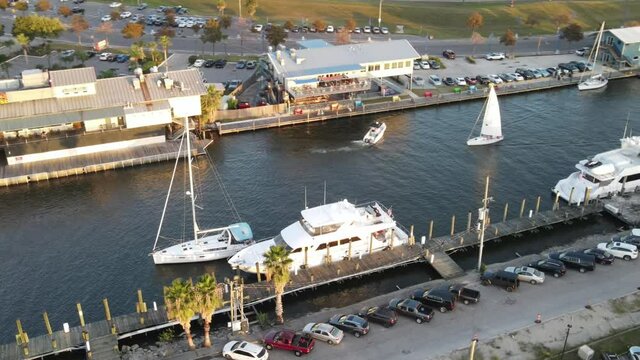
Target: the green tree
pixel 24 41
pixel 21 6
pixel 532 20
pixel 207 299
pixel 475 21
pixel 64 10
pixel 225 21
pixel 350 25
pixel 276 36
pixel 252 7
pixel 288 25
pixel 34 26
pixel 79 25
pixel 210 102
pixel 277 264
pixel 133 31
pixel 165 42
pixel 5 66
pixel 43 5
pixel 572 32
pixel 153 50
pixel 82 56
pixel 115 15
pixel 221 5
pixel 508 39
pixel 4 4
pixel 178 299
pixel 136 53
pixel 319 24
pixel 211 34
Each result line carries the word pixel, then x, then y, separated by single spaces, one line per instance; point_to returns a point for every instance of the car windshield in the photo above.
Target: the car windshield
pixel 537 272
pixel 235 346
pixel 335 332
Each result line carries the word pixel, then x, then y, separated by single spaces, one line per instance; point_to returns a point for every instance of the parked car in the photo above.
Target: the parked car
pixel 555 268
pixel 434 64
pixel 384 30
pixel 330 29
pixel 367 30
pixel 324 332
pixel 495 78
pixel 632 238
pixel 464 294
pixel 78 1
pixel 424 64
pixel 537 74
pixel 243 105
pixel 77 10
pixel 470 80
pixel 115 4
pixel 241 64
pixel 483 79
pixel 379 314
pixel 198 63
pixel 104 56
pixel 448 81
pixel 449 54
pixel 412 308
pixel 576 260
pixel 350 323
pixel 569 67
pixel 526 73
pixel 620 250
pixel 582 67
pixel 495 56
pixel 122 58
pixel 375 30
pixel 257 28
pixel 67 53
pixel 209 63
pixel 357 30
pixel 602 256
pixel 242 350
pixel 506 77
pixel 435 80
pixel 142 6
pixel 528 274
pixel 105 18
pixel 220 63
pixel 517 77
pixel 460 81
pixel 289 340
pixel 438 298
pixel 583 51
pixel 418 80
pixel 416 65
pixel 544 72
pixel 125 15
pixel 251 64
pixel 500 278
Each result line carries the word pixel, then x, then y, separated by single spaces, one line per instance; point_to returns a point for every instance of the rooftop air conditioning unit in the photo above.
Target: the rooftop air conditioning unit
pixel 136 83
pixel 168 83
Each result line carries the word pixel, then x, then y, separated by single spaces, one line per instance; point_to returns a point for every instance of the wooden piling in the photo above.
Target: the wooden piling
pixel 571 195
pixel 370 243
pixel 258 270
pixel 469 222
pixel 524 202
pixel 412 240
pixel 556 202
pixel 47 324
pixel 586 196
pixel 453 225
pixel 506 210
pixel 538 204
pixel 143 305
pixel 430 229
pixel 80 314
pixel 349 249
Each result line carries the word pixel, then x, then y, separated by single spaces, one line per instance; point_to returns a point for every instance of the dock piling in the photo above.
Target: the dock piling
pixel 423 240
pixel 80 314
pixel 469 221
pixel 430 229
pixel 556 202
pixel 453 225
pixel 538 204
pixel 571 196
pixel 506 210
pixel 412 239
pixel 587 194
pixel 524 202
pixel 258 271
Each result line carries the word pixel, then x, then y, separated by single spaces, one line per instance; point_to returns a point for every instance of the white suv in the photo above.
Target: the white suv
pixel 620 250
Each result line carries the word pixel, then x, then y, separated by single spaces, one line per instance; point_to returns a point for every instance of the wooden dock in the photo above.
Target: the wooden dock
pixel 92 163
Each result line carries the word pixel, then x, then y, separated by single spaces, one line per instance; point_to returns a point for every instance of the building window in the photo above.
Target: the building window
pixel 370 67
pixel 394 65
pixel 400 64
pixel 377 67
pixel 386 66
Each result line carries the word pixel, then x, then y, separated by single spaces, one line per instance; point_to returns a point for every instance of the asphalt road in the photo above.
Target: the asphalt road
pixel 497 313
pixel 242 41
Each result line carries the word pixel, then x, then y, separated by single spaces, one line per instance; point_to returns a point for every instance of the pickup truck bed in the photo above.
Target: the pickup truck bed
pixel 466 295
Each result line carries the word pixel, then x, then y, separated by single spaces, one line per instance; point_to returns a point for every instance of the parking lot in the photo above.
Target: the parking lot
pixel 213 75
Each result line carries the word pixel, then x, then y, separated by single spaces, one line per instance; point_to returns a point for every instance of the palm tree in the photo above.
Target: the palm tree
pixel 153 49
pixel 179 301
pixel 24 41
pixel 277 264
pixel 137 52
pixel 165 42
pixel 208 298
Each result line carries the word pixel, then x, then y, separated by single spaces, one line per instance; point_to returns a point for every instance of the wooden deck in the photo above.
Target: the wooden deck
pixel 90 163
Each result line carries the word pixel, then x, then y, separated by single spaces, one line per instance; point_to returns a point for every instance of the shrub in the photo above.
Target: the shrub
pixel 471 59
pixel 263 319
pixel 192 59
pixel 232 104
pixel 167 335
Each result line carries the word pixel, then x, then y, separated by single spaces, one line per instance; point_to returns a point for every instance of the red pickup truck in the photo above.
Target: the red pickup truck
pixel 289 340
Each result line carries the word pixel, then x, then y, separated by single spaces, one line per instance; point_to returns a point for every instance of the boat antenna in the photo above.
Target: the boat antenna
pixel 325 192
pixel 625 126
pixel 305 197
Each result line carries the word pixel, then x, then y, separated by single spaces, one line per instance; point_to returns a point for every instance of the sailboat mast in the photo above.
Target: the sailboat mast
pixel 191 193
pixel 598 40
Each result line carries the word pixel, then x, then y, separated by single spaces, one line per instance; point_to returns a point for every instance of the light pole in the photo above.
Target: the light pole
pixel 565 341
pixel 472 350
pixel 483 214
pixel 380 14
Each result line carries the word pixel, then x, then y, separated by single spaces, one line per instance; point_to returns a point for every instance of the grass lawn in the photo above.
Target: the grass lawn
pixel 440 19
pixel 617 344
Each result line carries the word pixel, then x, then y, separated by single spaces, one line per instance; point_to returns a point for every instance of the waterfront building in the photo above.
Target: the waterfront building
pixel 48 115
pixel 319 70
pixel 621 47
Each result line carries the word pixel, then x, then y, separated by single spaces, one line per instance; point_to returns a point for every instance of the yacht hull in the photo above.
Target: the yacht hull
pixel 205 249
pixel 484 140
pixel 592 85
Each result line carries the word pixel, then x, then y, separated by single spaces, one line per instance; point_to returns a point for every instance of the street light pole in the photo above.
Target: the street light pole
pixel 483 213
pixel 472 350
pixel 380 14
pixel 565 341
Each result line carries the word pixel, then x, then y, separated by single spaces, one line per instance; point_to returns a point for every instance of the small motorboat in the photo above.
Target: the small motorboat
pixel 375 133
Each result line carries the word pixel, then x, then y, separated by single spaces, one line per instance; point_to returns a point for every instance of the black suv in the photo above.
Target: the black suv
pixel 350 323
pixel 440 299
pixel 220 63
pixel 631 238
pixel 412 308
pixel 576 260
pixel 209 63
pixel 501 278
pixel 526 74
pixel 77 10
pixel 449 54
pixel 602 257
pixel 550 266
pixel 483 79
pixel 379 314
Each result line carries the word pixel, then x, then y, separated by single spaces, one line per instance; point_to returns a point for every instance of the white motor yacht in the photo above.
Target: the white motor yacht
pixel 328 233
pixel 375 133
pixel 605 174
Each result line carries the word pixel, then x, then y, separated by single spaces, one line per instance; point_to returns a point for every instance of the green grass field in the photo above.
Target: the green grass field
pixel 616 344
pixel 440 19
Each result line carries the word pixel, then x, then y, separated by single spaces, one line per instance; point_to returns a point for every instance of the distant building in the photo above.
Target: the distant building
pixel 621 47
pixel 57 114
pixel 320 69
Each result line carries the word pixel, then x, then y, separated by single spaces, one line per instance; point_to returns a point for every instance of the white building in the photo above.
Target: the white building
pixel 56 114
pixel 320 70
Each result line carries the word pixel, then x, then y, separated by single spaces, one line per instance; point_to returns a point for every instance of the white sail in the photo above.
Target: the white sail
pixel 597 80
pixel 491 122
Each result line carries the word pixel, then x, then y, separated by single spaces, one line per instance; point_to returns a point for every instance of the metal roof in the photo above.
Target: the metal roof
pixel 318 60
pixel 628 35
pixel 72 76
pixel 191 78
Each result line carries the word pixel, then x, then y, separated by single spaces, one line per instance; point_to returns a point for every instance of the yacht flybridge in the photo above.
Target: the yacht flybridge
pixel 605 174
pixel 328 233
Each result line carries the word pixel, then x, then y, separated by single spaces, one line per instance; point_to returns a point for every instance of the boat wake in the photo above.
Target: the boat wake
pixel 355 145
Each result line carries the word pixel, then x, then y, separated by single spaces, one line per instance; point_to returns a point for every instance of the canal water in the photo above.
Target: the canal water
pixel 86 238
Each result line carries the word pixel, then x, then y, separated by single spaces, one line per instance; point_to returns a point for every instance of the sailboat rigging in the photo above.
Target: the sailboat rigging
pixel 491 130
pixel 596 81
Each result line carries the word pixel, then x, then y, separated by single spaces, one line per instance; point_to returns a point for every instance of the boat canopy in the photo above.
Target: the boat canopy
pixel 241 231
pixel 330 214
pixel 296 236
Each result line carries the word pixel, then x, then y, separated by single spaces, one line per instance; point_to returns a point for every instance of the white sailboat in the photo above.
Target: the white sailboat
pixel 205 245
pixel 375 133
pixel 597 80
pixel 491 131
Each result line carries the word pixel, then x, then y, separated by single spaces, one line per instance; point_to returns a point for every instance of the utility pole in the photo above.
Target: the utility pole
pixel 380 14
pixel 564 348
pixel 483 215
pixel 472 350
pixel 240 9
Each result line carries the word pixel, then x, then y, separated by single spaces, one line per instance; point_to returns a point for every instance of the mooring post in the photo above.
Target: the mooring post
pixel 423 240
pixel 47 324
pixel 524 202
pixel 349 249
pixel 80 314
pixel 430 229
pixel 258 271
pixel 412 240
pixel 22 338
pixel 453 225
pixel 370 243
pixel 469 222
pixel 538 204
pixel 571 195
pixel 556 202
pixel 586 196
pixel 141 307
pixel 506 210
